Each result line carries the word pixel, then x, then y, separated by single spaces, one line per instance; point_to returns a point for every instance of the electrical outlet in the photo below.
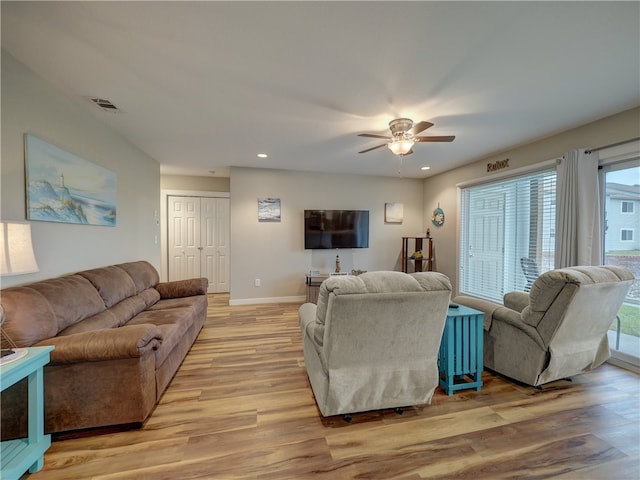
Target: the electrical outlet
pixel 257 282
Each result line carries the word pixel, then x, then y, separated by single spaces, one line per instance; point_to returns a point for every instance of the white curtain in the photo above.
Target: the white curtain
pixel 578 222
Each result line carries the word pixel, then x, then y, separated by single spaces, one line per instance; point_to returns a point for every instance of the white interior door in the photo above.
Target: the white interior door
pixel 486 244
pixel 184 237
pixel 215 243
pixel 198 240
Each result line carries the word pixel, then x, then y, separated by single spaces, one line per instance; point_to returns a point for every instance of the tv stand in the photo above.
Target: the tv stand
pixel 313 286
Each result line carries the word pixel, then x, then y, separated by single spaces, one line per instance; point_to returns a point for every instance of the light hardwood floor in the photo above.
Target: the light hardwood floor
pixel 240 407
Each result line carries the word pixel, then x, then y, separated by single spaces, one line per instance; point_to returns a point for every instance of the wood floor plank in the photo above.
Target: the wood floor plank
pixel 399 437
pixel 241 408
pixel 545 460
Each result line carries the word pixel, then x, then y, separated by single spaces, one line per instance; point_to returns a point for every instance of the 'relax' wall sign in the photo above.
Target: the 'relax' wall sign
pixel 498 165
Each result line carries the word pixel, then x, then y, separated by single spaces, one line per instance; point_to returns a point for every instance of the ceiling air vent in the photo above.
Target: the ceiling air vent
pixel 104 104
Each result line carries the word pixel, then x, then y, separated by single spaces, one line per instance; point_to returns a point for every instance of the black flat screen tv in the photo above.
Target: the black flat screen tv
pixel 326 229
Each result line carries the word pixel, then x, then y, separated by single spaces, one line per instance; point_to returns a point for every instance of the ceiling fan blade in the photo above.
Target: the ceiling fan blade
pixel 371 135
pixel 420 127
pixel 435 138
pixel 373 148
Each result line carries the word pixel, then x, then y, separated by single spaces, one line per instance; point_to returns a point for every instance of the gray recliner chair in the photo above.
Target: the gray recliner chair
pixel 372 340
pixel 558 329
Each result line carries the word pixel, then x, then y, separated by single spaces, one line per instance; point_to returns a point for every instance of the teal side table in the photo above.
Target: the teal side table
pixel 18 456
pixel 460 359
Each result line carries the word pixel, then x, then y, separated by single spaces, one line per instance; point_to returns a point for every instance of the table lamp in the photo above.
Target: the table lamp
pixel 5 338
pixel 16 258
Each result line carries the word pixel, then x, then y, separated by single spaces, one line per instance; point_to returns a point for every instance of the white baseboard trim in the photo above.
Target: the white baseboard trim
pixel 627 365
pixel 256 301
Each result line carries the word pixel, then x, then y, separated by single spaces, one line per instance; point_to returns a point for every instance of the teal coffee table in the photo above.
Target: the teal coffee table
pixel 460 360
pixel 24 454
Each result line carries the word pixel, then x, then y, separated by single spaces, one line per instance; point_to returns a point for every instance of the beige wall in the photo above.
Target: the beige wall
pixel 31 105
pixel 442 188
pixel 274 251
pixel 189 182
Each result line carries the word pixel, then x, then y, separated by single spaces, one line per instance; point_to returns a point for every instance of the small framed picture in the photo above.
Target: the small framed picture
pixel 393 212
pixel 268 209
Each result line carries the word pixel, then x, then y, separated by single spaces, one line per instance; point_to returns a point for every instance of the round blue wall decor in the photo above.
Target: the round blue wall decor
pixel 438 217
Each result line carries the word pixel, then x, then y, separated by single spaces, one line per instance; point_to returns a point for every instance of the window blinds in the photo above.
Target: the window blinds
pixel 507 234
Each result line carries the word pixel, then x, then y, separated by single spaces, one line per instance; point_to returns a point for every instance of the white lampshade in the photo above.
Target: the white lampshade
pixel 401 146
pixel 16 249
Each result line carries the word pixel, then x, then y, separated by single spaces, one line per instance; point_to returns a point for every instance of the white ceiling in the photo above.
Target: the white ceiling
pixel 207 85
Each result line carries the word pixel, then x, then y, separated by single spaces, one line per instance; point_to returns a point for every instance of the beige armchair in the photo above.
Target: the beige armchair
pixel 372 340
pixel 558 329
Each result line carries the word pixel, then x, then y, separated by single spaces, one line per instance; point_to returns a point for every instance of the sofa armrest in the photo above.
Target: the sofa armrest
pixel 485 306
pixel 516 300
pixel 129 341
pixel 514 319
pixel 183 288
pixel 307 314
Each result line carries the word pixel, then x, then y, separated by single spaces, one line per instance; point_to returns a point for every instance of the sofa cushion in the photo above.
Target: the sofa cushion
pixel 29 318
pixel 372 283
pixel 346 285
pixel 112 283
pixel 432 281
pixel 516 300
pixel 338 285
pixel 389 282
pixel 195 302
pixel 117 315
pixel 172 321
pixel 548 286
pixel 71 297
pixel 102 320
pixel 143 274
pixel 183 288
pixel 150 296
pixel 128 308
pixel 322 303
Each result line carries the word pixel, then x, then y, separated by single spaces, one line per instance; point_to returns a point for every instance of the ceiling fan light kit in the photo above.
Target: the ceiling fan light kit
pixel 403 136
pixel 401 146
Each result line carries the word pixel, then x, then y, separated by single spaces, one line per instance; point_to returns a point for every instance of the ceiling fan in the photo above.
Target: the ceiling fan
pixel 404 136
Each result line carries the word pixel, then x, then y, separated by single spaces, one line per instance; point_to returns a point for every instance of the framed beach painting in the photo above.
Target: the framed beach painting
pixel 393 212
pixel 268 209
pixel 62 187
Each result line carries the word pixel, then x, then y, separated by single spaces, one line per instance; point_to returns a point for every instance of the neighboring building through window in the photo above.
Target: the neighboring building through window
pixel 626 235
pixel 621 214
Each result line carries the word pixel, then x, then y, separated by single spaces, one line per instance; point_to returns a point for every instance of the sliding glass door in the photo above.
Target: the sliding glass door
pixel 507 234
pixel 622 248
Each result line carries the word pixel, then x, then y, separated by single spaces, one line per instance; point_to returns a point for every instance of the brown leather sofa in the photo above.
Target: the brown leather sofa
pixel 119 338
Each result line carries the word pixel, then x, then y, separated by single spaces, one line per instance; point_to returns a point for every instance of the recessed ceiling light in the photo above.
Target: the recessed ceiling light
pixel 425 168
pixel 262 155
